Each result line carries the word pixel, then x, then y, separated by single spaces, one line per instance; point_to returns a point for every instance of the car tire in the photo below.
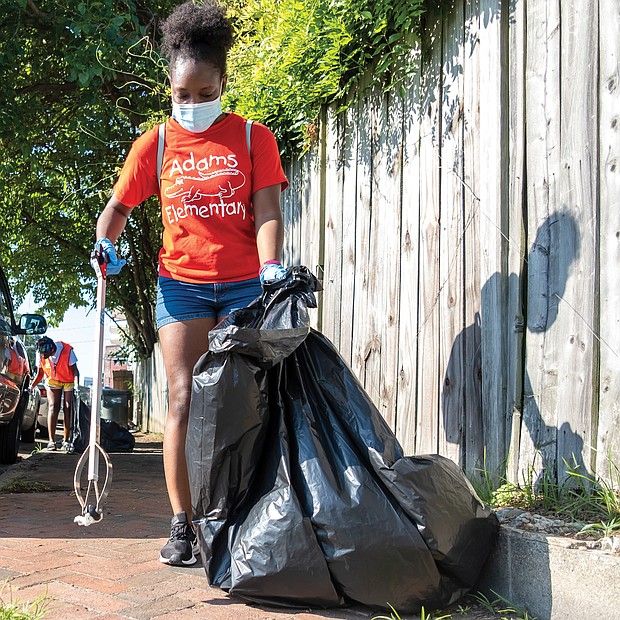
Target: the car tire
pixel 9 438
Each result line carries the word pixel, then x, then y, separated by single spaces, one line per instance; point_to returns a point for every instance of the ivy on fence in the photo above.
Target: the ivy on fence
pixel 292 56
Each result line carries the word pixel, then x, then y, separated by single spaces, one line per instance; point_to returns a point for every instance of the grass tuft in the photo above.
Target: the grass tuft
pixel 22 485
pixel 424 615
pixel 12 610
pixel 501 606
pixel 582 497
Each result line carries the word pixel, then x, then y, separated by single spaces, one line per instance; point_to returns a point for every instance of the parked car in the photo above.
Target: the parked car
pixel 15 373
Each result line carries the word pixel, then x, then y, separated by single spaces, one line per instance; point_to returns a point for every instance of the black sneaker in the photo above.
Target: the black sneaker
pixel 182 546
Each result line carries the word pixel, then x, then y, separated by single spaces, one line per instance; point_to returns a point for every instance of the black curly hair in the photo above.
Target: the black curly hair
pixel 45 345
pixel 197 32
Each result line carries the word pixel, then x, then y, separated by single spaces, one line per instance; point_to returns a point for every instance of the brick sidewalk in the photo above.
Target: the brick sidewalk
pixel 111 569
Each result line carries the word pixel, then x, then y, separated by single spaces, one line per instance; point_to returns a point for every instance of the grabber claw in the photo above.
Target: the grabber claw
pixel 92 502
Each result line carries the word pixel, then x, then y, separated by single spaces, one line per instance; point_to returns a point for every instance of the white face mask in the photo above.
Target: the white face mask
pixel 197 117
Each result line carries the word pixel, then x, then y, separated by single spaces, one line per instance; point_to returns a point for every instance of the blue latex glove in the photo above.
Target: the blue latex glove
pixel 114 264
pixel 272 272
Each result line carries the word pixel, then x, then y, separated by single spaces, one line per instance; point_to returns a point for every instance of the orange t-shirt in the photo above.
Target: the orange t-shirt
pixel 207 183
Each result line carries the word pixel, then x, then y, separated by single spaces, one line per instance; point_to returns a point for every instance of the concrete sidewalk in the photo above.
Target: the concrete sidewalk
pixel 111 569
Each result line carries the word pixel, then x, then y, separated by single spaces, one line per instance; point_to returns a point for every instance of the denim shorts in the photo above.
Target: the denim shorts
pixel 183 301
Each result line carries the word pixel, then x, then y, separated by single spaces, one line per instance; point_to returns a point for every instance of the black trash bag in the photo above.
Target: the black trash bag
pixel 427 487
pixel 253 542
pixel 112 436
pixel 300 490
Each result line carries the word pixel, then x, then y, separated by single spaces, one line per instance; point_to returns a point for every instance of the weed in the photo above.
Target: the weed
pixel 21 485
pixel 483 601
pixel 483 481
pixel 607 529
pixel 581 497
pixel 502 606
pixel 423 615
pixel 393 616
pixel 606 494
pixel 34 610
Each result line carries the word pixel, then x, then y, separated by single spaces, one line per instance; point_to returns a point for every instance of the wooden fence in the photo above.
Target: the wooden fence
pixel 151 393
pixel 467 233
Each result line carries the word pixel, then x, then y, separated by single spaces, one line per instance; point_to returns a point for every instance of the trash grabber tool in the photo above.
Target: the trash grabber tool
pixel 92 502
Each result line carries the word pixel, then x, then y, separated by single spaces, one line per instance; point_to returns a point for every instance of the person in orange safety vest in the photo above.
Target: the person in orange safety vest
pixel 58 363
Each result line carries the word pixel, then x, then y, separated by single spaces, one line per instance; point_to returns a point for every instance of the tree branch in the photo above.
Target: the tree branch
pixel 46 88
pixel 35 12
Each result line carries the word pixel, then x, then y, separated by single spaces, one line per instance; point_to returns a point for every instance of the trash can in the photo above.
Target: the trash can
pixel 115 405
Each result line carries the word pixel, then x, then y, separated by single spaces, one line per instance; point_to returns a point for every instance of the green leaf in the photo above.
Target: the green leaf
pixel 63 146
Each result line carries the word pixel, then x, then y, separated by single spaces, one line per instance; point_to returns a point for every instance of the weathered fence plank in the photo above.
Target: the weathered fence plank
pixel 542 88
pixel 363 347
pixel 312 217
pixel 375 318
pixel 151 393
pixel 573 282
pixel 473 446
pixel 406 412
pixel 332 267
pixel 385 245
pixel 451 300
pixel 492 232
pixel 516 25
pixel 608 441
pixel 291 214
pixel 349 213
pixel 427 430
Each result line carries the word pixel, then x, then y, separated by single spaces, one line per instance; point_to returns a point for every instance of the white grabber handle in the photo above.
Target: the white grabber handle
pixel 92 503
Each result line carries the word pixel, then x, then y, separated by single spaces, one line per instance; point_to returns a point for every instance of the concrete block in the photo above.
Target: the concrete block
pixel 551 579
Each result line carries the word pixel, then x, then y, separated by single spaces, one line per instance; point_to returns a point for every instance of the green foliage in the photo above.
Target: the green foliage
pixel 21 485
pixel 10 610
pixel 79 81
pixel 605 528
pixel 424 615
pixel 393 616
pixel 582 496
pixel 292 56
pixel 502 606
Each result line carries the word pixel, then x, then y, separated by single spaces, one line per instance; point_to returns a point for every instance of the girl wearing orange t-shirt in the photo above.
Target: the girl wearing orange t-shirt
pixel 219 188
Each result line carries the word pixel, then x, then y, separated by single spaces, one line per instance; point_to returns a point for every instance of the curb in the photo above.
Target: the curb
pixel 23 468
pixel 550 578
